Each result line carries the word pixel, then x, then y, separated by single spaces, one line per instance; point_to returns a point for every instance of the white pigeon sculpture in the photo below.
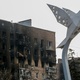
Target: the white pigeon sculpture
pixel 69 19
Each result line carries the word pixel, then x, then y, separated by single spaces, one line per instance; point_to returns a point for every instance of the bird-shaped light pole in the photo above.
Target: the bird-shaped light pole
pixel 72 21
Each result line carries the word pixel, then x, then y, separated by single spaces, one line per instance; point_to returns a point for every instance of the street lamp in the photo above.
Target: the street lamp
pixel 72 21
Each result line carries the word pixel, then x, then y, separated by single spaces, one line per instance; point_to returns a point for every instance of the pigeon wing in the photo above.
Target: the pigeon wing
pixel 61 16
pixel 69 12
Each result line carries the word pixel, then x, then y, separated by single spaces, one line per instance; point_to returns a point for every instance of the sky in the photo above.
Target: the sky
pixel 42 17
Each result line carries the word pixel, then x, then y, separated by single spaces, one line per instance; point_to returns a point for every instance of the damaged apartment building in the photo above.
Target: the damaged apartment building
pixel 27 46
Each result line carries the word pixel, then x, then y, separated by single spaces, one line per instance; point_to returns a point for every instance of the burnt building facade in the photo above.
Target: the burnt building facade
pixel 60 73
pixel 38 43
pixel 26 45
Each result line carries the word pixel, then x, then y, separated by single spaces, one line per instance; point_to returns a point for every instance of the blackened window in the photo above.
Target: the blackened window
pixel 29 57
pixel 35 40
pixel 42 63
pixel 49 43
pixel 42 53
pixel 36 57
pixel 42 58
pixel 36 63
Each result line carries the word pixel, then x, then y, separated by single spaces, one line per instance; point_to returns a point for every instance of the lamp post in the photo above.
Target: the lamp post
pixel 72 21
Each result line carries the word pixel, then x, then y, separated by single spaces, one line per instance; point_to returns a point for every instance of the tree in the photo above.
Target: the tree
pixel 74 65
pixel 71 54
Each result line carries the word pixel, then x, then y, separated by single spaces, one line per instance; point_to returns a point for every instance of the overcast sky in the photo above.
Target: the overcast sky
pixel 42 17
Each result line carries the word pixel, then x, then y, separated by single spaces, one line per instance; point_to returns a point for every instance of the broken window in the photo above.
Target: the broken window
pixel 49 43
pixel 50 64
pixel 35 41
pixel 42 63
pixel 29 57
pixel 42 52
pixel 36 57
pixel 36 63
pixel 42 59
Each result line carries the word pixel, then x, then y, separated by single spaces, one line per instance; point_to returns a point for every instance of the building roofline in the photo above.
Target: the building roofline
pixel 35 28
pixel 5 20
pixel 28 26
pixel 24 20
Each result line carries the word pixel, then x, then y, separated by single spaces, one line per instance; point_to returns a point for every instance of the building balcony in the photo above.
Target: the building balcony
pixel 49 48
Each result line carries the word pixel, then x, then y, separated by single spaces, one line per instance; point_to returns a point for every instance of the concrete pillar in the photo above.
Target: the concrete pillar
pixel 7 47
